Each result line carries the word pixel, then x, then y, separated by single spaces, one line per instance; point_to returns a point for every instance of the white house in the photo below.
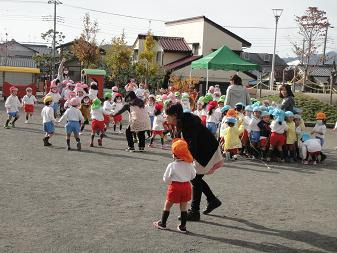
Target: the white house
pixel 189 39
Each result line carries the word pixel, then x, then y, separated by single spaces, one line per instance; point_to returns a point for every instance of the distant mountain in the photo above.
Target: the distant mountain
pixel 331 56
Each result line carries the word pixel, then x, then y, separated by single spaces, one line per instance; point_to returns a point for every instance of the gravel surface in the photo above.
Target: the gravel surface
pixel 105 200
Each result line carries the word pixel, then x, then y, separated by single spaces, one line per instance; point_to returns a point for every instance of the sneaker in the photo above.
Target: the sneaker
pixel 212 205
pixel 79 147
pixel 314 163
pixel 130 150
pixel 91 144
pixel 7 127
pixel 181 229
pixel 151 146
pixel 120 132
pixel 141 149
pixel 159 225
pixel 68 148
pixel 99 142
pixel 13 124
pixel 26 121
pixel 235 157
pixel 192 215
pixel 305 162
pixel 47 144
pixel 80 133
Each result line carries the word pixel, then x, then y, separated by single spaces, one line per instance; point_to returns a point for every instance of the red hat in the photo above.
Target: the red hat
pixel 212 105
pixel 158 107
pixel 180 150
pixel 118 95
pixel 13 88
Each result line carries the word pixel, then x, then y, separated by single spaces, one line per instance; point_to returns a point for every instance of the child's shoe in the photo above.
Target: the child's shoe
pixel 130 150
pixel 305 162
pixel 235 157
pixel 91 144
pixel 26 121
pixel 151 146
pixel 159 225
pixel 181 229
pixel 99 142
pixel 6 127
pixel 79 147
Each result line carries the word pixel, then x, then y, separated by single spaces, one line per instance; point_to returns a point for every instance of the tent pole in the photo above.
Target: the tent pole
pixel 206 81
pixel 191 72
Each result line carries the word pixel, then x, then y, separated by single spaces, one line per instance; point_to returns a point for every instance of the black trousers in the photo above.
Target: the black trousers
pixel 140 135
pixel 199 186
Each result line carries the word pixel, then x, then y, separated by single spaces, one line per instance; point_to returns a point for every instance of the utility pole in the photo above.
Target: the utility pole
pixel 55 3
pixel 325 41
pixel 332 80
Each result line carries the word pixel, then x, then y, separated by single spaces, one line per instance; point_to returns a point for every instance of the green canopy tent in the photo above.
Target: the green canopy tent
pixel 222 59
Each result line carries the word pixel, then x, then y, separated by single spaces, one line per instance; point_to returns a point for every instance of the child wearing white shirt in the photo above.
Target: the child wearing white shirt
pixel 178 175
pixel 74 118
pixel 12 106
pixel 158 125
pixel 116 107
pixel 97 123
pixel 319 130
pixel 28 102
pixel 48 120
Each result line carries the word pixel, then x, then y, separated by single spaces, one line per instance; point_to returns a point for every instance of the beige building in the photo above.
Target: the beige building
pixel 189 39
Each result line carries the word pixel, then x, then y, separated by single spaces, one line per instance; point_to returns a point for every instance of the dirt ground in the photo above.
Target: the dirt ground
pixel 105 200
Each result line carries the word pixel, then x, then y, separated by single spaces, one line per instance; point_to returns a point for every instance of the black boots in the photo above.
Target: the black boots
pixel 212 205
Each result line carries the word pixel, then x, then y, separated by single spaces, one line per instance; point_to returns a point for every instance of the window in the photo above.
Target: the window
pixel 195 48
pixel 266 58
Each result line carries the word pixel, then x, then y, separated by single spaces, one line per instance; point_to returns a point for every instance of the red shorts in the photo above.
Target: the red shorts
pixel 317 153
pixel 106 119
pixel 157 132
pixel 178 192
pixel 118 118
pixel 264 143
pixel 28 108
pixel 97 125
pixel 277 139
pixel 245 137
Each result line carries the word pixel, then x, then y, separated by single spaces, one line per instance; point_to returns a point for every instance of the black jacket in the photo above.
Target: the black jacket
pixel 201 142
pixel 264 128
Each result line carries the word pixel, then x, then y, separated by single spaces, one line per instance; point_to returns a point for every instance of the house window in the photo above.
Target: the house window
pixel 266 58
pixel 158 58
pixel 195 48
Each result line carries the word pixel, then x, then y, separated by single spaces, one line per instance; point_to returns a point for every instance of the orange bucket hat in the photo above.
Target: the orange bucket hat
pixel 180 150
pixel 320 116
pixel 231 113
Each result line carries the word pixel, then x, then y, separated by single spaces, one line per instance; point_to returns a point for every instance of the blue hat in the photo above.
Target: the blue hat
pixel 289 114
pixel 305 137
pixel 225 108
pixel 256 109
pixel 231 120
pixel 248 108
pixel 239 104
pixel 187 110
pixel 265 113
pixel 263 108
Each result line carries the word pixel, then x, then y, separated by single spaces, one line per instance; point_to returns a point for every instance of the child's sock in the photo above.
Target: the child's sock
pixel 152 139
pixel 120 127
pixel 27 117
pixel 114 127
pixel 165 216
pixel 92 138
pixel 68 143
pixel 162 141
pixel 183 216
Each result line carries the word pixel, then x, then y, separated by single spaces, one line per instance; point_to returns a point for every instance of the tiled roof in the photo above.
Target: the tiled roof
pixel 181 63
pixel 170 44
pixel 17 62
pixel 323 71
pixel 41 49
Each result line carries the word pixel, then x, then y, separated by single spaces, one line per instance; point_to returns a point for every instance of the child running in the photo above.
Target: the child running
pixel 74 118
pixel 28 102
pixel 12 106
pixel 48 120
pixel 178 175
pixel 97 123
pixel 158 125
pixel 116 106
pixel 85 110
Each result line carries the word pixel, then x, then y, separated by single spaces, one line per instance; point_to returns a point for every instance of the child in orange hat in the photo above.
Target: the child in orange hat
pixel 178 174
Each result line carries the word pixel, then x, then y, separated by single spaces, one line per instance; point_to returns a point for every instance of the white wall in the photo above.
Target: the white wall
pixel 215 38
pixel 192 31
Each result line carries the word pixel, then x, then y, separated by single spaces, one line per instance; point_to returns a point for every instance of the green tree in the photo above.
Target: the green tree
pixel 118 61
pixel 147 68
pixel 49 35
pixel 85 48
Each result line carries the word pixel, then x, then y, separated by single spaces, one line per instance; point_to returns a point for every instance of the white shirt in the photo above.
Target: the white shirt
pixel 107 107
pixel 92 94
pixel 12 104
pixel 47 114
pixel 72 114
pixel 253 124
pixel 29 100
pixel 311 145
pixel 277 128
pixel 97 114
pixel 321 129
pixel 117 106
pixel 179 171
pixel 199 112
pixel 150 109
pixel 140 92
pixel 212 118
pixel 56 96
pixel 158 123
pixel 246 121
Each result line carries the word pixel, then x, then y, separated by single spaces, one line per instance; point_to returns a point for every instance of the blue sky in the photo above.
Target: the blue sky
pixel 23 19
